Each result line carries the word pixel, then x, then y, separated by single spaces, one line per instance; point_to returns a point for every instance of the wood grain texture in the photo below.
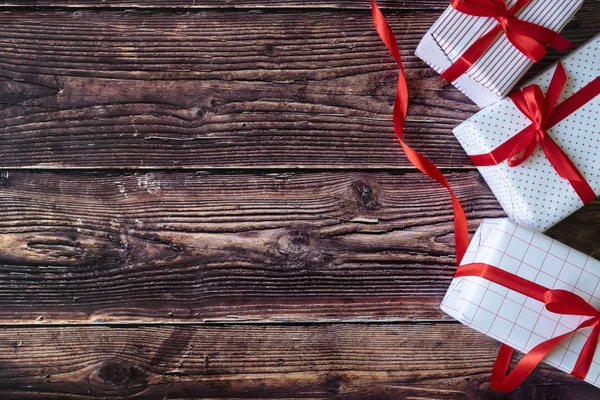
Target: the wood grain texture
pixel 319 361
pixel 221 89
pixel 429 5
pixel 88 247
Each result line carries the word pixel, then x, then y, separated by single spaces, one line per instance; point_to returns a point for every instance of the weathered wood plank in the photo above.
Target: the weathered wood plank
pixel 320 361
pixel 220 89
pixel 195 4
pixel 192 247
pixel 209 90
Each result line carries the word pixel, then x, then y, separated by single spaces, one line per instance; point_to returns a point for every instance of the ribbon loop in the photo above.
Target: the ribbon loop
pixel 529 38
pixel 556 301
pixel 525 147
pixel 567 303
pixel 482 8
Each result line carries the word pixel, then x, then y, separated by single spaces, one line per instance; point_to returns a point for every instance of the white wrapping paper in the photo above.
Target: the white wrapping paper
pixel 495 74
pixel 533 194
pixel 512 318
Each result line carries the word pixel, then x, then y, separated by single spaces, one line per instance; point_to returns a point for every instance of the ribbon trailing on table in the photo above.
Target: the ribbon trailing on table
pixel 529 38
pixel 556 301
pixel 544 114
pixel 461 229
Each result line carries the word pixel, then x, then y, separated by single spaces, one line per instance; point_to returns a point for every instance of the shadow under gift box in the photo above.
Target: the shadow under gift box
pixel 533 194
pixel 497 72
pixel 512 318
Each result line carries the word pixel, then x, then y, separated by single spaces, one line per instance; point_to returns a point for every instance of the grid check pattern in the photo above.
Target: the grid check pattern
pixel 513 318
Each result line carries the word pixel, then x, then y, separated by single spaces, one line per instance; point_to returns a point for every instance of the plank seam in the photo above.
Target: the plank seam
pixel 133 325
pixel 181 9
pixel 235 170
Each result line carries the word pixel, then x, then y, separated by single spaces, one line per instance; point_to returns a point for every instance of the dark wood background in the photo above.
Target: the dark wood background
pixel 205 199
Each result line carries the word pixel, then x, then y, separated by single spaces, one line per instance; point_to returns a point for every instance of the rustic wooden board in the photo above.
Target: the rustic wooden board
pixel 160 246
pixel 319 361
pixel 220 89
pixel 193 246
pixel 429 5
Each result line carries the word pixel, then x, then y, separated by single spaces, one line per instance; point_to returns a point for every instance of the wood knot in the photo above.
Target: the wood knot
pixel 269 49
pixel 4 178
pixel 216 103
pixel 334 384
pixel 115 372
pixel 198 112
pixel 298 240
pixel 300 253
pixel 120 373
pixel 149 182
pixel 301 93
pixel 365 197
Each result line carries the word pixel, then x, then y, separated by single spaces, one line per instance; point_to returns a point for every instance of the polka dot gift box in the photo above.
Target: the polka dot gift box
pixel 539 149
pixel 533 294
pixel 491 34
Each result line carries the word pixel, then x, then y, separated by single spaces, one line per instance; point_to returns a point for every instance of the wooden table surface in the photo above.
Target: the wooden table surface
pixel 206 199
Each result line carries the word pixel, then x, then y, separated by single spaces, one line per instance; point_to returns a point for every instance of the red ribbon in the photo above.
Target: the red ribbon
pixel 461 229
pixel 529 38
pixel 544 114
pixel 556 301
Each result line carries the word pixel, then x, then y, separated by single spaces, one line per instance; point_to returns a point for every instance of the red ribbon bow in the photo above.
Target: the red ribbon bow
pixel 529 38
pixel 544 113
pixel 556 301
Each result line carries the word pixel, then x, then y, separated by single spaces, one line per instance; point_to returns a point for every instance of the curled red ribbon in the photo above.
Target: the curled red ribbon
pixel 556 301
pixel 461 229
pixel 529 38
pixel 544 114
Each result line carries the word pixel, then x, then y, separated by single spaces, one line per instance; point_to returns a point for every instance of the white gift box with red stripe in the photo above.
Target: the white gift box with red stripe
pixel 533 194
pixel 495 74
pixel 517 320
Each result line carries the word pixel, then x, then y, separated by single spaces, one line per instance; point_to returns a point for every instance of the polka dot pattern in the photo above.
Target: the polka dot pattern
pixel 533 194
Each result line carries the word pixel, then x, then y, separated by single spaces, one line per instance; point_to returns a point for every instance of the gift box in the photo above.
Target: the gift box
pixel 513 318
pixel 499 69
pixel 535 193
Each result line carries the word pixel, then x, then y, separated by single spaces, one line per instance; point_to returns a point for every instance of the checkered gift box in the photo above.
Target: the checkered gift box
pixel 517 320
